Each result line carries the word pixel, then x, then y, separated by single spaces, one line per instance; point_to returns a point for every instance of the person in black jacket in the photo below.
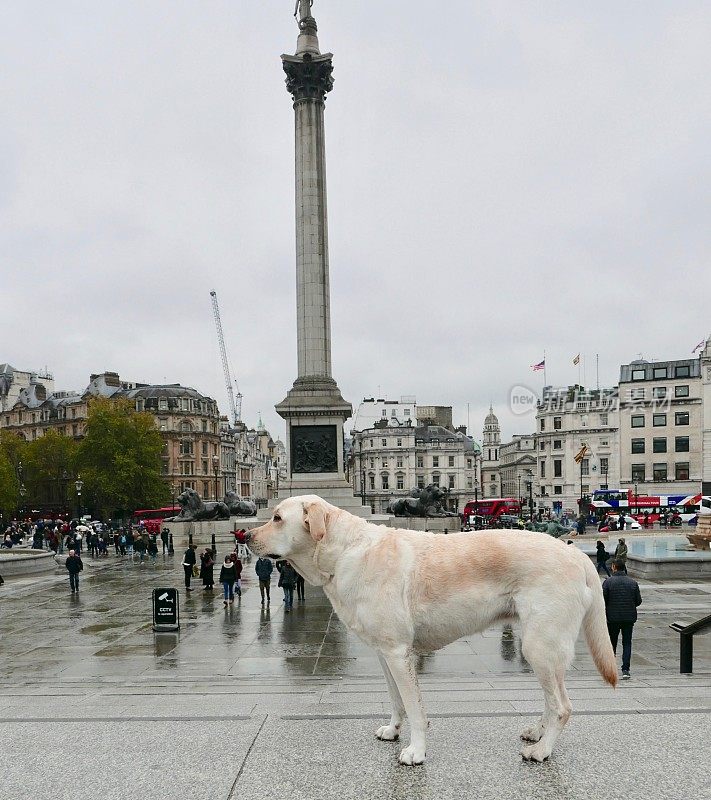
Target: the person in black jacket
pixel 287 581
pixel 189 561
pixel 228 578
pixel 602 557
pixel 74 567
pixel 622 596
pixel 264 568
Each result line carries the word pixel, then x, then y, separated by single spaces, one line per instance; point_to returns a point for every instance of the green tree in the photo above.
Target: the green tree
pixel 120 458
pixel 9 486
pixel 48 468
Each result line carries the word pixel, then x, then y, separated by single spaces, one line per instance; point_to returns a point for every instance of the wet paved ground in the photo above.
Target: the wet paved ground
pixel 246 700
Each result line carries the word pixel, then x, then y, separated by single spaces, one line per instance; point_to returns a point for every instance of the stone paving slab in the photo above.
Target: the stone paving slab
pixel 599 757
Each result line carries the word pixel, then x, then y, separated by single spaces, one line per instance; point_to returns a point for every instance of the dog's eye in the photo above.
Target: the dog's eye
pixel 276 518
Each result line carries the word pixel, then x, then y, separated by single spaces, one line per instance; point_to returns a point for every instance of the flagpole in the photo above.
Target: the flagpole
pixel 584 378
pixel 545 380
pixel 597 370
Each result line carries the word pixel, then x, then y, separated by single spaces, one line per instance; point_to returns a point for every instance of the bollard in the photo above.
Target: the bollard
pixel 214 547
pixel 171 549
pixel 190 539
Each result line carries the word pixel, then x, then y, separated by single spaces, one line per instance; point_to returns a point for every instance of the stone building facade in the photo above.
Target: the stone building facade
pixel 517 462
pixel 567 418
pixel 200 450
pixel 661 426
pixel 490 467
pixel 391 458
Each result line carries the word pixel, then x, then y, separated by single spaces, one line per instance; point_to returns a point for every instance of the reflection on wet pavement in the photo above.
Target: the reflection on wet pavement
pixel 106 631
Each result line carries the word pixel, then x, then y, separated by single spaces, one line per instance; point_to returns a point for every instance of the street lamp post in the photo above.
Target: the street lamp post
pixel 362 473
pixel 78 484
pixel 215 469
pixel 172 493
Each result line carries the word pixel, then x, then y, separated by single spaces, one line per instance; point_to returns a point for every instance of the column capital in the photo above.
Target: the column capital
pixel 307 77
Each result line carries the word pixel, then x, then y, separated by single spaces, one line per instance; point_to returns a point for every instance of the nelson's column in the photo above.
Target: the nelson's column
pixel 314 409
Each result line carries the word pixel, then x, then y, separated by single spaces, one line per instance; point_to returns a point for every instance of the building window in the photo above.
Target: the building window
pixel 659 420
pixel 637 394
pixel 400 482
pixel 186 447
pixel 543 424
pixel 681 471
pixel 372 482
pixel 451 481
pixel 420 461
pixel 420 481
pixel 469 463
pixel 638 473
pixel 637 446
pixel 659 445
pixel 385 481
pixel 372 463
pixel 638 375
pixel 557 444
pixel 470 482
pixel 435 480
pixel 542 444
pixel 204 467
pixel 385 463
pixel 681 391
pixel 659 472
pixel 399 442
pixel 204 448
pixel 371 442
pixel 682 372
pixel 637 421
pixel 393 413
pixel 543 468
pixel 681 418
pixel 557 468
pixel 557 423
pixel 604 465
pixel 660 373
pixel 659 392
pixel 398 462
pixel 384 412
pixel 406 412
pixel 451 461
pixel 557 490
pixel 681 444
pixel 604 419
pixel 435 461
pixel 384 442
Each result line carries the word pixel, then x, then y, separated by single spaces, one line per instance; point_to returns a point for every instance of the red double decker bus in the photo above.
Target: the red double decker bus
pixel 491 508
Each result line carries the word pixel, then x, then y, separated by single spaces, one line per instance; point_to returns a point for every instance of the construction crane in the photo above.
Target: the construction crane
pixel 235 400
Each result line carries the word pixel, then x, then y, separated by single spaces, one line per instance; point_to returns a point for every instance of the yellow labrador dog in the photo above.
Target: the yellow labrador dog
pixel 404 592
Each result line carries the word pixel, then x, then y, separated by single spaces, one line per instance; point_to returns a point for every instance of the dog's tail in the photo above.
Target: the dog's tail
pixel 595 626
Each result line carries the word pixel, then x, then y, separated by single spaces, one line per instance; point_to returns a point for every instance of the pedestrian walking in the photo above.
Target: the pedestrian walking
pixel 74 566
pixel 228 578
pixel 164 536
pixel 287 581
pixel 235 559
pixel 264 568
pixel 602 557
pixel 152 548
pixel 300 588
pixel 207 567
pixel 621 522
pixel 621 554
pixel 189 561
pixel 622 597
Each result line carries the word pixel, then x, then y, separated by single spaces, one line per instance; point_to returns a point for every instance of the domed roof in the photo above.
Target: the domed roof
pixel 491 418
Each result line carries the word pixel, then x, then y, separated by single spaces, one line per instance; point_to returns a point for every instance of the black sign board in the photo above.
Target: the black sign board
pixel 166 614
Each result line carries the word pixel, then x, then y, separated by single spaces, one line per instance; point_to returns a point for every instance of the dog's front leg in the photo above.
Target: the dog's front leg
pixel 402 669
pixel 391 732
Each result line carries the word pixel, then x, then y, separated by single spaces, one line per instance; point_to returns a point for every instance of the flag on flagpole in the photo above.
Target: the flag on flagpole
pixel 698 346
pixel 576 360
pixel 540 365
pixel 581 454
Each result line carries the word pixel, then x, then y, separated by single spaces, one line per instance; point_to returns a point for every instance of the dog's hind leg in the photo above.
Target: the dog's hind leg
pixel 549 652
pixel 391 732
pixel 402 670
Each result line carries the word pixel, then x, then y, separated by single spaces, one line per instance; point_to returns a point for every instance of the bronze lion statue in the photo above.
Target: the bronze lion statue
pixel 194 509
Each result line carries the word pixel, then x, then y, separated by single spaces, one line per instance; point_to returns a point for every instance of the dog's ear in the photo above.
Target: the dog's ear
pixel 316 519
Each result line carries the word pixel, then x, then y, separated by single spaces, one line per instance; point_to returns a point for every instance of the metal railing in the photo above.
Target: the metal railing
pixel 686 641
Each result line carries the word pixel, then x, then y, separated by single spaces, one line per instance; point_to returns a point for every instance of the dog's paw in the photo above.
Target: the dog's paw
pixel 532 734
pixel 411 756
pixel 535 752
pixel 388 733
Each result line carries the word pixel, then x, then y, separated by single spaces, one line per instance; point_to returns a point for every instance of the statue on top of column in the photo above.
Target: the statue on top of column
pixel 303 10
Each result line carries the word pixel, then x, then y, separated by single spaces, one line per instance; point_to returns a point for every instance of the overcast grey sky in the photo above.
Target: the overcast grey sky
pixel 503 178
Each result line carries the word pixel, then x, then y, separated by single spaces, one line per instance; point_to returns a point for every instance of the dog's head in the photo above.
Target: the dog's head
pixel 297 525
